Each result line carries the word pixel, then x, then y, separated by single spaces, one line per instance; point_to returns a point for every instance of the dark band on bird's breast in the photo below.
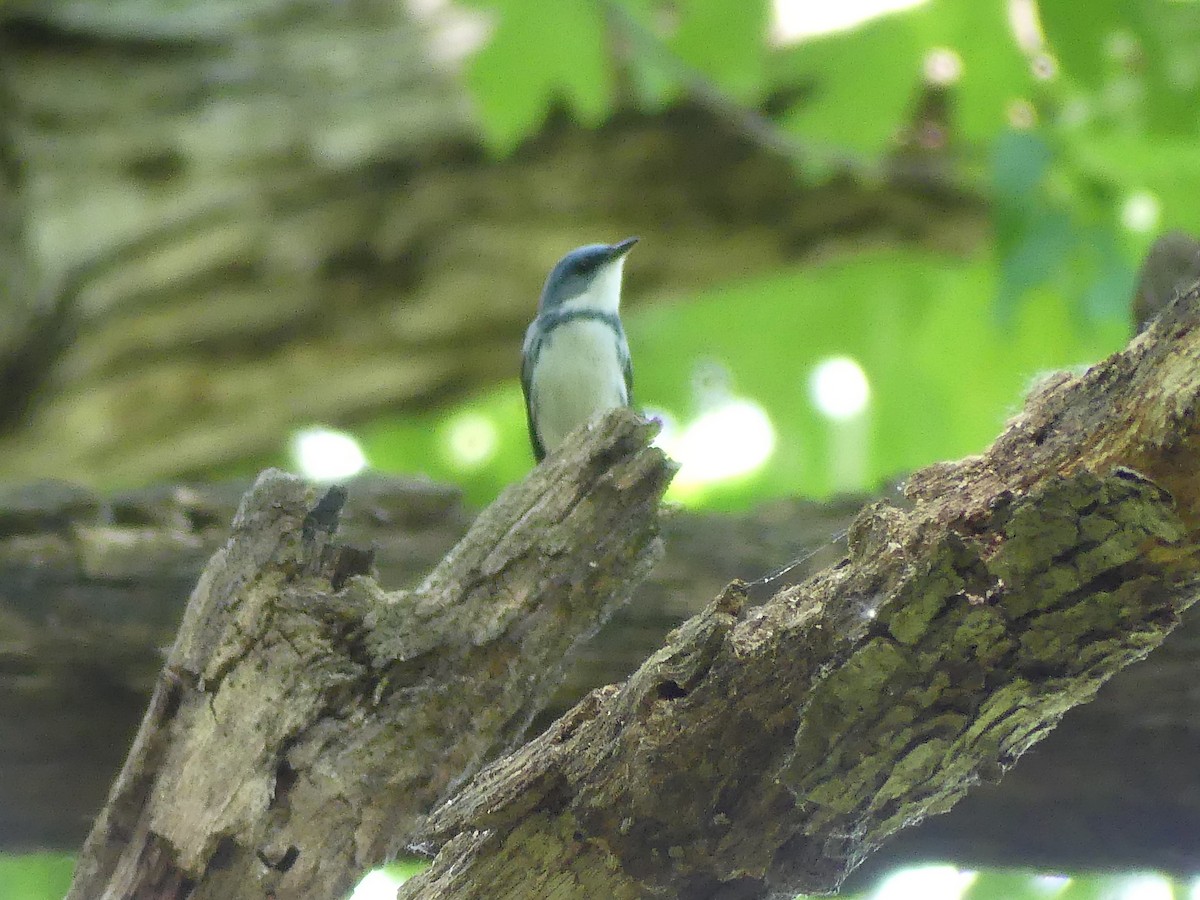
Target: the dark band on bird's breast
pixel 552 320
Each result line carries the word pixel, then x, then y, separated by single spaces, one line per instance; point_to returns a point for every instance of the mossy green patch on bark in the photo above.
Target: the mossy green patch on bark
pixel 913 769
pixel 847 696
pixel 908 616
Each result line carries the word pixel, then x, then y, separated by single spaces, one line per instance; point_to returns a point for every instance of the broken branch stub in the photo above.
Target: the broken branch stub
pixel 305 719
pixel 766 751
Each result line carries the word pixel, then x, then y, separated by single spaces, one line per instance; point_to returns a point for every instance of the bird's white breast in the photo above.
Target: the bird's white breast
pixel 577 377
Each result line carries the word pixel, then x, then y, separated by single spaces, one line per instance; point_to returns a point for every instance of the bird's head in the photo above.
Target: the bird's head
pixel 588 277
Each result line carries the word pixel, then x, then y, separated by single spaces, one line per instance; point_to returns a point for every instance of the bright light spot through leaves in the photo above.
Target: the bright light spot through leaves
pixel 1140 212
pixel 943 66
pixel 1021 114
pixel 1026 26
pixel 926 883
pixel 325 455
pixel 471 440
pixel 840 388
pixel 725 442
pixel 1051 885
pixel 1145 887
pixel 795 20
pixel 377 885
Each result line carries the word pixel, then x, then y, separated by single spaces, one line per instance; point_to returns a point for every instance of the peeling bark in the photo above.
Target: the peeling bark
pixel 93 587
pixel 767 750
pixel 305 718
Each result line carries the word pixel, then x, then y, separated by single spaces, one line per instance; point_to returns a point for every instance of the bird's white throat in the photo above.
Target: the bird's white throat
pixel 603 294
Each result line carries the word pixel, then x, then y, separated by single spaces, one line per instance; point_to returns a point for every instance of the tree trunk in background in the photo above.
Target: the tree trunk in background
pixel 197 183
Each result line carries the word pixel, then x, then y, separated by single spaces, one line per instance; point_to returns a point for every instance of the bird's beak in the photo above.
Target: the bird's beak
pixel 620 248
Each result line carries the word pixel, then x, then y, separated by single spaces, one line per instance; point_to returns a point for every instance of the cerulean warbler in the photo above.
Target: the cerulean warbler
pixel 575 362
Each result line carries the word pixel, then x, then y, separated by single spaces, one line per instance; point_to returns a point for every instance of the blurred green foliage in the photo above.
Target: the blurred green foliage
pixel 1081 133
pixel 35 876
pixel 539 53
pixel 46 876
pixel 944 373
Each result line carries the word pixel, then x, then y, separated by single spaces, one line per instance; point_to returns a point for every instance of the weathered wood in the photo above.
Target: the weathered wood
pixel 92 590
pixel 92 586
pixel 764 751
pixel 304 718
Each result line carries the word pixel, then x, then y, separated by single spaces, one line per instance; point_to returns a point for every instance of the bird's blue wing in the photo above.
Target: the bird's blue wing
pixel 627 369
pixel 529 354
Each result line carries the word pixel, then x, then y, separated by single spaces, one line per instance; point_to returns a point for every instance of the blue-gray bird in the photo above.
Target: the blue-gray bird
pixel 575 362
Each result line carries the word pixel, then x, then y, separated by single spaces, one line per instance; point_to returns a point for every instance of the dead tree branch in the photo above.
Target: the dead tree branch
pixel 305 718
pixel 91 587
pixel 765 751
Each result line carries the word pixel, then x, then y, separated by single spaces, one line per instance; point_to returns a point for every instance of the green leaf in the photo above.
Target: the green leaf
pixel 861 83
pixel 1141 60
pixel 540 54
pixel 653 74
pixel 404 869
pixel 1040 248
pixel 1078 34
pixel 1000 885
pixel 995 71
pixel 1168 169
pixel 866 81
pixel 1033 239
pixel 1110 280
pixel 726 41
pixel 1020 161
pixel 1090 887
pixel 1170 35
pixel 1056 222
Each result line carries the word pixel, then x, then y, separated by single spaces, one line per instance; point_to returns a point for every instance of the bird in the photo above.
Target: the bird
pixel 575 360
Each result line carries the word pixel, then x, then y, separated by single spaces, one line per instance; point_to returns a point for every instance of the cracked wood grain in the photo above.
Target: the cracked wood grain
pixel 305 717
pixel 767 750
pixel 91 587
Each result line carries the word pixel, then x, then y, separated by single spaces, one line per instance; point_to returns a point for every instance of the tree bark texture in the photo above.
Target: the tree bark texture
pixel 305 718
pixel 766 750
pixel 192 182
pixel 92 587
